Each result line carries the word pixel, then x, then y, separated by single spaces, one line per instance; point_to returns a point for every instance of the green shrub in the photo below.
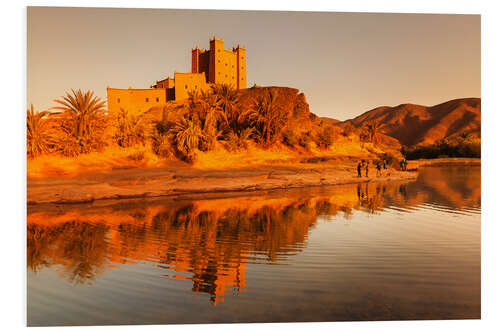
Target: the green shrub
pixel 305 140
pixel 326 136
pixel 461 146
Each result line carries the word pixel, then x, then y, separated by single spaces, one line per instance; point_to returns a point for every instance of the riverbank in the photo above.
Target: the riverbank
pixel 448 161
pixel 175 181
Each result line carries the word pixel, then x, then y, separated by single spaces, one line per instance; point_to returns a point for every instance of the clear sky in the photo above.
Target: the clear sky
pixel 345 63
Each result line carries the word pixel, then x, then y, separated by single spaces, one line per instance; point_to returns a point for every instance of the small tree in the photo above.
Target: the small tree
pixel 38 133
pixel 326 136
pixel 374 129
pixel 187 135
pixel 83 122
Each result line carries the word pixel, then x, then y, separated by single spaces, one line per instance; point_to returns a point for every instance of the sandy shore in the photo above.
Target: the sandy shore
pixel 155 182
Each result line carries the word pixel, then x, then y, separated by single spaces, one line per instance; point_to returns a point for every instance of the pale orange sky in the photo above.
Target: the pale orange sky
pixel 345 63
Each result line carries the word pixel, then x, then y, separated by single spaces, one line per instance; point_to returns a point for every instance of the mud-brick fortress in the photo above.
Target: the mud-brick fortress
pixel 213 66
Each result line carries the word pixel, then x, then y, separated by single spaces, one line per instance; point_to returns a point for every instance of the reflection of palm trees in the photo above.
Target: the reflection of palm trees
pixel 213 246
pixel 81 248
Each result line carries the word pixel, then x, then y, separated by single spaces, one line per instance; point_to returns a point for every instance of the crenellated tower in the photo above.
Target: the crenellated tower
pixel 241 69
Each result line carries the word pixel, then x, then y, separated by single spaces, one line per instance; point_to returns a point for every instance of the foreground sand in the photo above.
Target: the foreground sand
pixel 172 181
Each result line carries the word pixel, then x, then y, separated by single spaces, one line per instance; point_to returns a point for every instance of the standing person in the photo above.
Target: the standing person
pixel 366 167
pixel 359 169
pixel 402 164
pixel 406 164
pixel 385 164
pixel 379 170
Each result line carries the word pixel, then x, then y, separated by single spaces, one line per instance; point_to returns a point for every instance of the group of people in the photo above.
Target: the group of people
pixel 365 166
pixel 403 164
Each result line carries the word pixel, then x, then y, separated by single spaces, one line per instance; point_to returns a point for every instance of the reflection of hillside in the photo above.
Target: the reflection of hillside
pixel 453 188
pixel 210 241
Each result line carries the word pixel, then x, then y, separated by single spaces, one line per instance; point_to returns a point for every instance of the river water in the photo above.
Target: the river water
pixel 374 251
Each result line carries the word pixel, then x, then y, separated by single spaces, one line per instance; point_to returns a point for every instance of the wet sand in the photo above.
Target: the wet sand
pixel 175 181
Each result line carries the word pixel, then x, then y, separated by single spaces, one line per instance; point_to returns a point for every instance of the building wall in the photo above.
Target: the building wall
pixel 241 79
pixel 186 82
pixel 165 83
pixel 135 100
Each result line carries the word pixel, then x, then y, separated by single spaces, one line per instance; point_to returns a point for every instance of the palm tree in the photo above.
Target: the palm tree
pixel 187 135
pixel 37 130
pixel 82 122
pixel 227 97
pixel 267 115
pixel 83 110
pixel 374 129
pixel 205 108
pixel 130 129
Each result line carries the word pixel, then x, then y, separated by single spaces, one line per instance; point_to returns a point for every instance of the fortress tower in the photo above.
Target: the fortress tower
pixel 213 66
pixel 220 65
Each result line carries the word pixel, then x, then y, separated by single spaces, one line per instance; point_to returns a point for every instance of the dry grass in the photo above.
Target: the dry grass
pixel 107 160
pixel 254 155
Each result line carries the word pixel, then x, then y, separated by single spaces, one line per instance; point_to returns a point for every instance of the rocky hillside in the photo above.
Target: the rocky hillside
pixel 414 124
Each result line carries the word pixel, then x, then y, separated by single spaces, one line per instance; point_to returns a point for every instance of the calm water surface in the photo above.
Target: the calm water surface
pixel 379 251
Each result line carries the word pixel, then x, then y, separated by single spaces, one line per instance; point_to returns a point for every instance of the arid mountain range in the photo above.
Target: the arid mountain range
pixel 414 124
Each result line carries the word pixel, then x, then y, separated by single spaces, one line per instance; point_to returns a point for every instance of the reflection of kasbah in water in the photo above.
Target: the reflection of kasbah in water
pixel 183 236
pixel 190 236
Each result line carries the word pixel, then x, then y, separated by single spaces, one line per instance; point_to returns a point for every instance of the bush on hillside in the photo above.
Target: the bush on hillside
pixel 461 146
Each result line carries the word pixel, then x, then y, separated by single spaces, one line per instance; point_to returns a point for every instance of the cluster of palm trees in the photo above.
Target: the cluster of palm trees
pixel 75 130
pixel 217 115
pixel 206 119
pixel 81 124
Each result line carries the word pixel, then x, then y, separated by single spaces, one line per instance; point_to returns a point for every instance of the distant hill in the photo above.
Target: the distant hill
pixel 414 124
